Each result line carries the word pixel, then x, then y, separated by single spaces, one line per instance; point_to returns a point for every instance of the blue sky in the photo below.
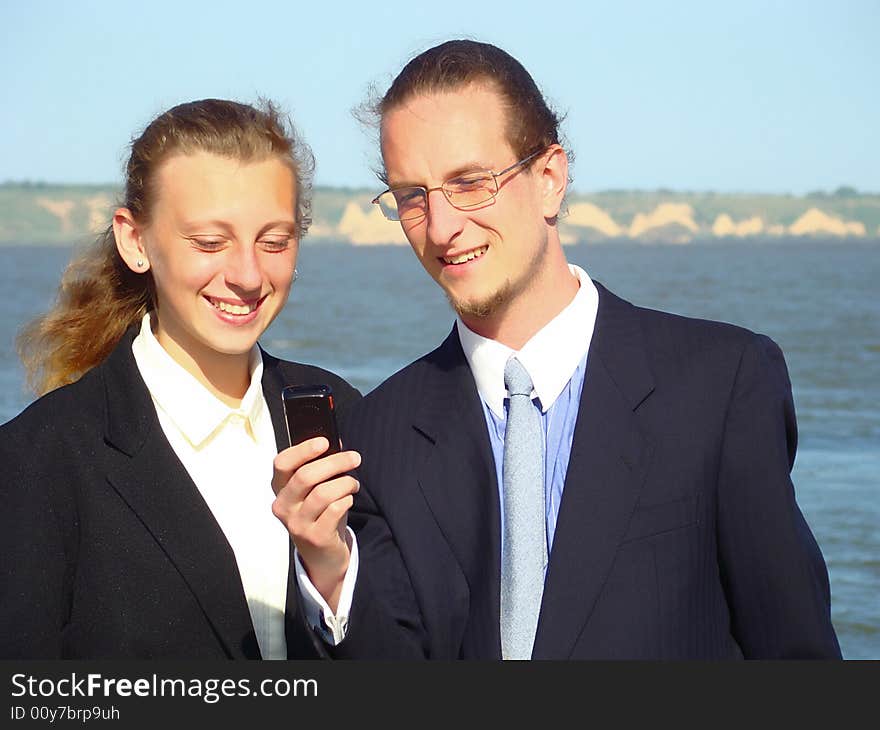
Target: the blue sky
pixel 731 95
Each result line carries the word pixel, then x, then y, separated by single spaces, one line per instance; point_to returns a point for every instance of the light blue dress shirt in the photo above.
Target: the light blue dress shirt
pixel 558 422
pixel 556 360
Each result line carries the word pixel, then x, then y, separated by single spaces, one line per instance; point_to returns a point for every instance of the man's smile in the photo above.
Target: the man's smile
pixel 465 256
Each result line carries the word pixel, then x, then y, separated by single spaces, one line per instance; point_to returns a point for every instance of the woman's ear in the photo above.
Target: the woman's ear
pixel 129 241
pixel 554 180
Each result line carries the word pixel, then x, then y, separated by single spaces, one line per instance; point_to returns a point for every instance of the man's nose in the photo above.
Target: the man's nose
pixel 443 220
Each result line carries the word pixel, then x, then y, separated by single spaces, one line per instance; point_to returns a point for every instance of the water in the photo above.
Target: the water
pixel 365 312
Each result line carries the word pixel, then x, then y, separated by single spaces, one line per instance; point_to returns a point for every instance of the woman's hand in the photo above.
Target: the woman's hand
pixel 313 496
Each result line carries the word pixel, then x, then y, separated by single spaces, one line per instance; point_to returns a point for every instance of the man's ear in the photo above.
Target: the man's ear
pixel 129 241
pixel 553 179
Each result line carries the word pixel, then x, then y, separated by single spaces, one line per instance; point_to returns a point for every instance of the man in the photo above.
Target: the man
pixel 566 475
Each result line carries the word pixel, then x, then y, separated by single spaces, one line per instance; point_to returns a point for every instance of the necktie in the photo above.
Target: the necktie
pixel 525 541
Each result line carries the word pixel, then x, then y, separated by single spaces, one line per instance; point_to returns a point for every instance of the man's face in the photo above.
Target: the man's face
pixel 486 258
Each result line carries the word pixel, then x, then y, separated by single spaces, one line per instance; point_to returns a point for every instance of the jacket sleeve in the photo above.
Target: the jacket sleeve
pixel 385 622
pixel 36 521
pixel 773 571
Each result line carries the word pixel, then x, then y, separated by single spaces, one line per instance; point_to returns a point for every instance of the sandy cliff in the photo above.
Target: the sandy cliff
pixel 365 229
pixel 70 214
pixel 815 222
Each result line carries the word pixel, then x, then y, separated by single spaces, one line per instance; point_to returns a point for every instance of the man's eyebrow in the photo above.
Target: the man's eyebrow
pixel 469 167
pixel 461 169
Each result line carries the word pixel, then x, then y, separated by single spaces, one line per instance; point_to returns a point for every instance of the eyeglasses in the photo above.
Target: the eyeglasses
pixel 464 192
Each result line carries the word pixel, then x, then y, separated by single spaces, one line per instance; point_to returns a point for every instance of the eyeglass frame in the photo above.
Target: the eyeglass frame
pixel 441 187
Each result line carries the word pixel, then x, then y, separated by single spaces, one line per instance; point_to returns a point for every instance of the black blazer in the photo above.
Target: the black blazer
pixel 678 535
pixel 107 549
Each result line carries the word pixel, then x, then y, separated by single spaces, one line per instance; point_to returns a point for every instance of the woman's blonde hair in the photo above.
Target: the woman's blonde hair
pixel 99 297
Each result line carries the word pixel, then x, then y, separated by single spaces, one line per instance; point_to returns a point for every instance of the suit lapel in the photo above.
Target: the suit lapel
pixel 608 463
pixel 273 383
pixel 147 474
pixel 459 483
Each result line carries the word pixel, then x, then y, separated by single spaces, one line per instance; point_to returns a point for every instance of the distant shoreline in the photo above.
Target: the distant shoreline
pixel 726 242
pixel 70 214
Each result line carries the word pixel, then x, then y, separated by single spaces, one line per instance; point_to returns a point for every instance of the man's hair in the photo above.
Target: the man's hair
pixel 531 124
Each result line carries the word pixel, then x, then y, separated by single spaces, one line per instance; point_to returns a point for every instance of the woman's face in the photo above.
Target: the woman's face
pixel 222 247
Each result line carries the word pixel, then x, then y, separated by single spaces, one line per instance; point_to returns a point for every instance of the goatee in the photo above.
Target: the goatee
pixel 483 308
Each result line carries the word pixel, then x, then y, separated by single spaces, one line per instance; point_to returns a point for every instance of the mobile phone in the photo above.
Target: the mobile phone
pixel 309 412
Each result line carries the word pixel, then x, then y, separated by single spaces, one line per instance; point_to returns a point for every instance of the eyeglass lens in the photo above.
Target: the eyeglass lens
pixel 466 191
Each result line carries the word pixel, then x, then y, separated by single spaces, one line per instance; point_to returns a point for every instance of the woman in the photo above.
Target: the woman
pixel 137 493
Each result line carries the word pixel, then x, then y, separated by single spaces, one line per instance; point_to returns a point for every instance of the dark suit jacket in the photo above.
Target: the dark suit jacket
pixel 107 549
pixel 678 535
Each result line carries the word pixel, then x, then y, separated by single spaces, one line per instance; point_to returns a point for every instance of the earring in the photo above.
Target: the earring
pixel 140 263
pixel 295 276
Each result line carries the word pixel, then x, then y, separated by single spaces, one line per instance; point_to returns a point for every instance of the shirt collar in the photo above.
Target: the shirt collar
pixel 551 356
pixel 193 409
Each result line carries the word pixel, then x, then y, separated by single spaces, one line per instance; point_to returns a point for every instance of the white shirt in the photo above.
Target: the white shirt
pixel 228 453
pixel 550 356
